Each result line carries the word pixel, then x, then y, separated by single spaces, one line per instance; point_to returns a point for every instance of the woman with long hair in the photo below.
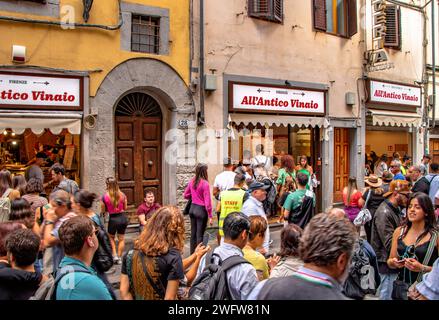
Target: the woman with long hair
pixel 19 184
pixel 289 252
pixel 373 195
pixel 351 198
pixel 286 170
pixel 82 203
pixel 303 166
pixel 153 270
pixel 414 239
pixel 198 191
pixel 22 212
pixel 6 189
pixel 115 203
pixel 381 166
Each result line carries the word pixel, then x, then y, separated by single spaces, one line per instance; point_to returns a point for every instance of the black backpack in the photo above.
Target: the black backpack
pixel 353 286
pixel 212 284
pixel 303 214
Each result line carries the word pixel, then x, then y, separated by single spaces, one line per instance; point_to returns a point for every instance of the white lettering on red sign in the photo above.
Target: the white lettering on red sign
pixel 395 93
pixel 250 97
pixel 39 90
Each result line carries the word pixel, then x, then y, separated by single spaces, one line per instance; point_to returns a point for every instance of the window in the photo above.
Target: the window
pixel 271 10
pixel 336 16
pixel 393 27
pixel 145 34
pixel 39 1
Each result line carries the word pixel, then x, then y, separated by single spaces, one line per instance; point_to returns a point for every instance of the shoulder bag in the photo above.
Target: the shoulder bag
pixel 400 287
pixel 364 215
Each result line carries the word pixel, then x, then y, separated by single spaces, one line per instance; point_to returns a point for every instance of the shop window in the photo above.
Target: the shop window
pixel 18 150
pixel 337 17
pixel 270 10
pixel 145 34
pixel 393 27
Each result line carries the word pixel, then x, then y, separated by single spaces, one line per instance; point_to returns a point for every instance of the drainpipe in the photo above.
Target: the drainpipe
pixel 433 57
pixel 201 75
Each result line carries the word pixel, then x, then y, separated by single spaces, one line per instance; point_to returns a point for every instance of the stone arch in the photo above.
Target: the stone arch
pixel 149 76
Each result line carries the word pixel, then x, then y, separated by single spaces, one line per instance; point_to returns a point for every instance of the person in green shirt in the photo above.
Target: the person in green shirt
pixel 295 199
pixel 305 168
pixel 286 170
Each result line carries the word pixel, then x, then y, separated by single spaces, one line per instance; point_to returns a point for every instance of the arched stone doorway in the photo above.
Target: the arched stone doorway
pixel 138 141
pixel 155 79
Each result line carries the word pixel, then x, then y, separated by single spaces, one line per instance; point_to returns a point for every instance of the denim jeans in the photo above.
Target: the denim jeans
pixel 386 286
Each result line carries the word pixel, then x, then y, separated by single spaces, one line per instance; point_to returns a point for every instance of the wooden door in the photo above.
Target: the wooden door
pixel 434 150
pixel 341 162
pixel 138 152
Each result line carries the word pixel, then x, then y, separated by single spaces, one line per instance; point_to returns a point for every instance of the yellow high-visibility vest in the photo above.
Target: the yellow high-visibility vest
pixel 231 201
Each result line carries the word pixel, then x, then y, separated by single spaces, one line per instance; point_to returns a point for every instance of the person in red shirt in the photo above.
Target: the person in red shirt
pixel 147 209
pixel 351 197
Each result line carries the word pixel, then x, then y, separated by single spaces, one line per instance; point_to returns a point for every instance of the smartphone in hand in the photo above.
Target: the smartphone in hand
pixel 205 239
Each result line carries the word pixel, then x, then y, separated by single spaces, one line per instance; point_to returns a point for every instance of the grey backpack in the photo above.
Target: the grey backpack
pixel 5 206
pixel 47 290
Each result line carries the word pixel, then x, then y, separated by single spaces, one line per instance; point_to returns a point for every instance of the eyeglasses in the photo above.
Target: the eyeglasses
pixel 96 232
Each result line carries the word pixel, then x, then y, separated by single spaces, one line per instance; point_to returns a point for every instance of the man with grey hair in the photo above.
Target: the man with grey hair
pixel 395 168
pixel 419 182
pixel 326 248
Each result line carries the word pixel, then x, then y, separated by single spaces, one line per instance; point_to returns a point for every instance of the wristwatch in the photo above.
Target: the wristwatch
pixel 47 222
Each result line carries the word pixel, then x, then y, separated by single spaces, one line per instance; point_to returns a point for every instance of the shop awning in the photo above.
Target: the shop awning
pixel 278 120
pixel 37 122
pixel 395 118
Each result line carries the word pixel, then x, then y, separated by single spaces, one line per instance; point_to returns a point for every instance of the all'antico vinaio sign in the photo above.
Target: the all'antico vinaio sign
pixel 263 99
pixel 32 91
pixel 395 94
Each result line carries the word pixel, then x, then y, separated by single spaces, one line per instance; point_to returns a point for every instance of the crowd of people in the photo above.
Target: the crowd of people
pixel 59 248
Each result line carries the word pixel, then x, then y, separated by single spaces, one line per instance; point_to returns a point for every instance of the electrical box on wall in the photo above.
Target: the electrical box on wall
pixel 350 98
pixel 210 82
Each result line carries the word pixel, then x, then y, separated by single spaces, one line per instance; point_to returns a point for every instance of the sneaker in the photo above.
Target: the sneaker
pixel 115 259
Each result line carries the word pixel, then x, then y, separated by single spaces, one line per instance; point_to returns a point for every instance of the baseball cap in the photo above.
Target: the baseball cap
pixel 257 185
pixel 400 186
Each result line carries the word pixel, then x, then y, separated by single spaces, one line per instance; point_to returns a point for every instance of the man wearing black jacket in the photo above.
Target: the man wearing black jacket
pixel 387 218
pixel 419 182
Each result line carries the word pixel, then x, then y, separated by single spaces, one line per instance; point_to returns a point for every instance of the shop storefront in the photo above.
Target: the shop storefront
pixel 41 113
pixel 393 119
pixel 284 119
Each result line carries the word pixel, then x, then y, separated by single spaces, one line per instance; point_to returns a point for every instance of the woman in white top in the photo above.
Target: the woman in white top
pixel 381 166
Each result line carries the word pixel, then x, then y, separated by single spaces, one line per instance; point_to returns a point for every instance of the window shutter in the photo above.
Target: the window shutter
pixel 319 7
pixel 278 10
pixel 271 10
pixel 352 17
pixel 259 8
pixel 393 25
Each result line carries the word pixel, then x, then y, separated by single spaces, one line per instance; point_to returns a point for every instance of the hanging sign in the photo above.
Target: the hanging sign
pixel 34 91
pixel 394 94
pixel 264 99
